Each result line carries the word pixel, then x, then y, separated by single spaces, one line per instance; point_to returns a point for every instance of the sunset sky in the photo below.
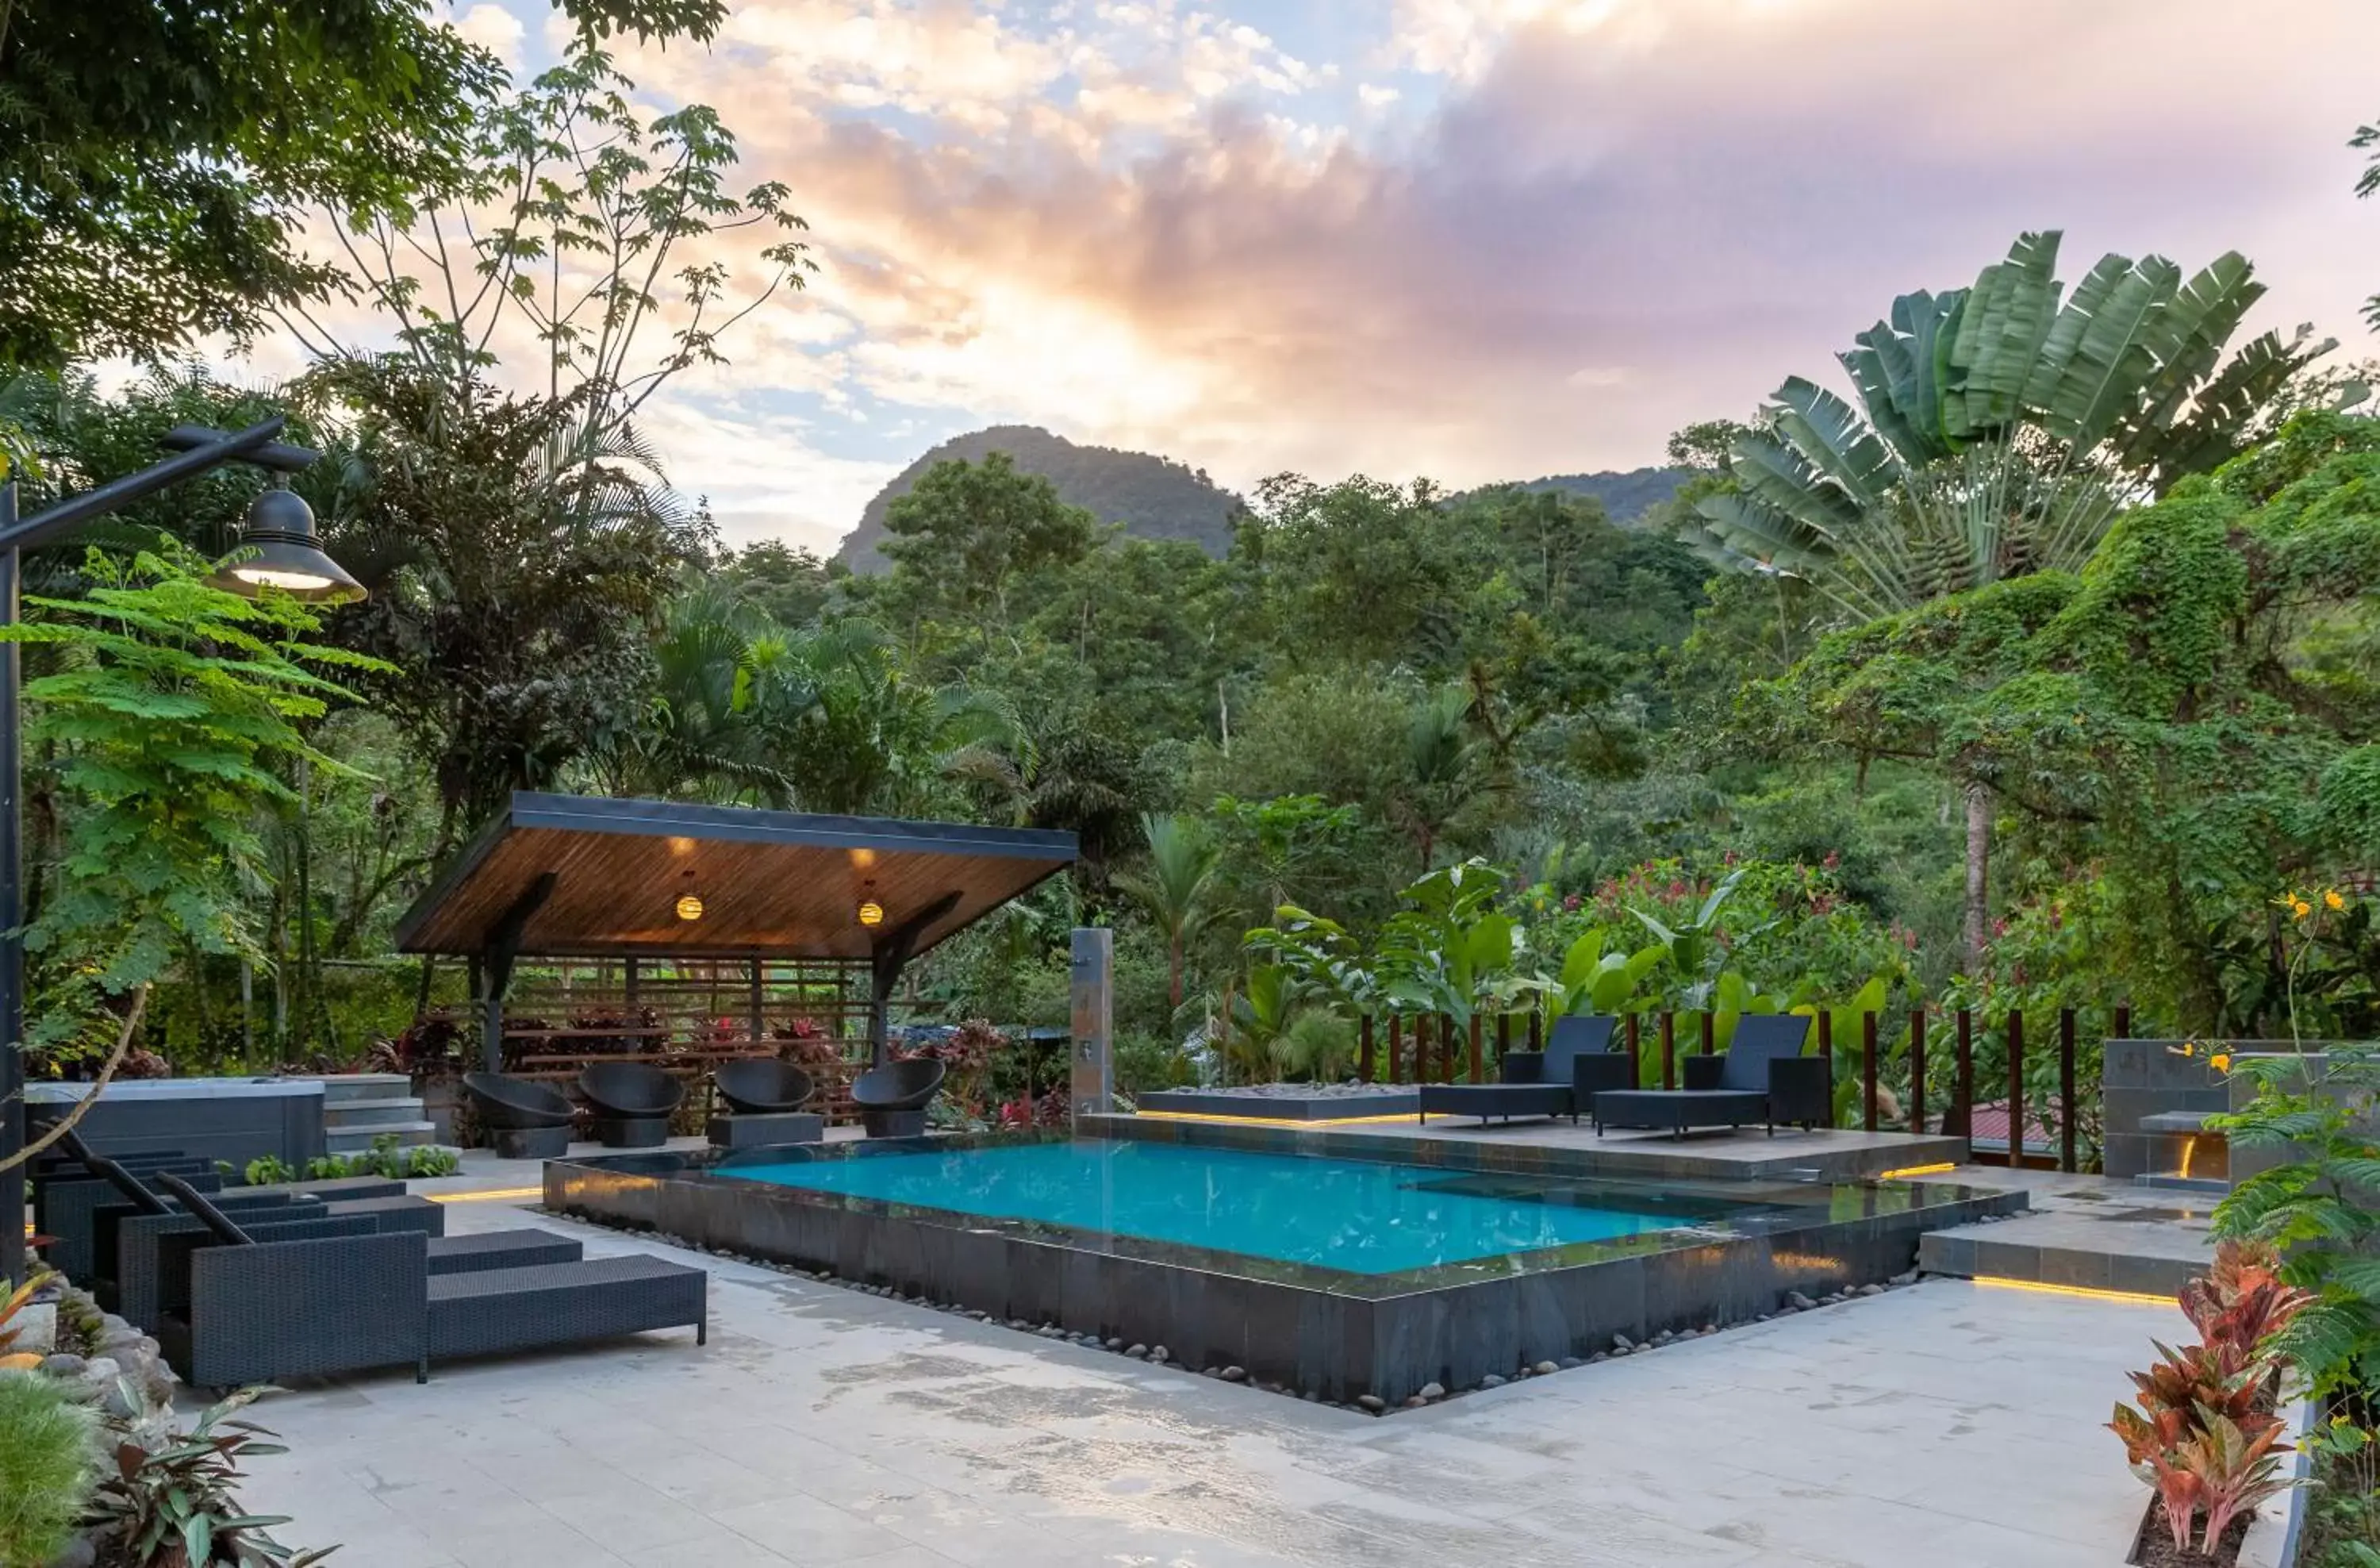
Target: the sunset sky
pixel 1473 239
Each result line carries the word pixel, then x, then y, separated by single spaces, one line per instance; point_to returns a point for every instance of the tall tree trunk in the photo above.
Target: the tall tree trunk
pixel 1174 978
pixel 1979 859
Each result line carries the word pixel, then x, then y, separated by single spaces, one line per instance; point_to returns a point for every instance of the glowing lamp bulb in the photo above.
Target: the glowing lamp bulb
pixel 871 913
pixel 689 908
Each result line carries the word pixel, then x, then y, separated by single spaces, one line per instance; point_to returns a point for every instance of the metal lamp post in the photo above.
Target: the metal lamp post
pixel 278 550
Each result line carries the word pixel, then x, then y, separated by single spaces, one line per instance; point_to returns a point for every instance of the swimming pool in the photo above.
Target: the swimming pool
pixel 1362 1216
pixel 1327 1264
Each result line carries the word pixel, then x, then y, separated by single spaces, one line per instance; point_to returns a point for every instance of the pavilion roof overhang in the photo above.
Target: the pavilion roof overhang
pixel 583 876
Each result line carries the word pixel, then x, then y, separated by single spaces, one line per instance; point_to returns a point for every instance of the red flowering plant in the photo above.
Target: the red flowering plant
pixel 965 1053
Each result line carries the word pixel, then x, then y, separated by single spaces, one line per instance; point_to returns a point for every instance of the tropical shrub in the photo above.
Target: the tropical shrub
pixel 384 1158
pixel 48 1464
pixel 171 1498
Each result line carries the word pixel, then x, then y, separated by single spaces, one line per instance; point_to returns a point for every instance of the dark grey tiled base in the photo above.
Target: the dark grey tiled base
pixel 530 1143
pixel 1973 1256
pixel 630 1132
pixel 1386 1102
pixel 1337 1343
pixel 763 1132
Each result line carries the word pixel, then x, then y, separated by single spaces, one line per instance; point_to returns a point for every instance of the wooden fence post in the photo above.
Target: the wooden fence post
pixel 1964 1079
pixel 1710 1032
pixel 2016 1088
pixel 1475 1076
pixel 1668 1048
pixel 2066 1139
pixel 1827 1055
pixel 1917 1069
pixel 1537 1029
pixel 1446 1045
pixel 2124 1023
pixel 1636 1050
pixel 1396 1044
pixel 1867 1070
pixel 1364 1050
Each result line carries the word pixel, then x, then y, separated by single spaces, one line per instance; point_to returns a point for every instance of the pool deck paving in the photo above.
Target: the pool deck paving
pixel 1947 1423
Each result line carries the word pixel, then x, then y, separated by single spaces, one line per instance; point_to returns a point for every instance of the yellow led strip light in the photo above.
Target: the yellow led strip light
pixel 2133 1298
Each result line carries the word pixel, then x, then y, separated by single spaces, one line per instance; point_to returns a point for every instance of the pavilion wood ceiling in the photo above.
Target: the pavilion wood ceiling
pixel 771 883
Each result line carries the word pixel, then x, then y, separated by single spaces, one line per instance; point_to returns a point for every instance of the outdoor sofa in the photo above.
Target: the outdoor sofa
pixel 239 1309
pixel 1561 1080
pixel 1762 1077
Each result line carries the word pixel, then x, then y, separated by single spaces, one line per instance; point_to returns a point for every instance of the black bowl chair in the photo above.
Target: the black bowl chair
pixel 761 1086
pixel 632 1102
pixel 524 1120
pixel 892 1098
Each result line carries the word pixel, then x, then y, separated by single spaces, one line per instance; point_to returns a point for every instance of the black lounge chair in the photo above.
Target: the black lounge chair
pixel 251 1310
pixel 893 1098
pixel 761 1086
pixel 1561 1080
pixel 1762 1077
pixel 764 1100
pixel 523 1120
pixel 632 1102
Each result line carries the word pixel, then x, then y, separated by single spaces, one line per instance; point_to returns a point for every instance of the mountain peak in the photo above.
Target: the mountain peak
pixel 1153 497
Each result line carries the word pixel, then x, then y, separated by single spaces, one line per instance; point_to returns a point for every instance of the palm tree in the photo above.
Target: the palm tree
pixel 1178 888
pixel 1997 434
pixel 1442 767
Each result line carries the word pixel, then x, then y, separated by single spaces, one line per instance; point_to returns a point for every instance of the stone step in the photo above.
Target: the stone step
pixel 371 1112
pixel 359 1140
pixel 342 1088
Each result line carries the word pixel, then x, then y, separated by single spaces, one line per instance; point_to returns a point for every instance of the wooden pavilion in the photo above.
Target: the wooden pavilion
pixel 700 932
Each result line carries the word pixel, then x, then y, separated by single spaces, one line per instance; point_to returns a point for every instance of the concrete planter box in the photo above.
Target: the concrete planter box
pixel 2273 1534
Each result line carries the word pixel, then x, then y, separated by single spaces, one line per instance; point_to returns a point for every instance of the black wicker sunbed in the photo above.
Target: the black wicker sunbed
pixel 1557 1081
pixel 257 1309
pixel 1762 1077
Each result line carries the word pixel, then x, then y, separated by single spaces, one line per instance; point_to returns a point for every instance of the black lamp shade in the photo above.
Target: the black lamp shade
pixel 277 549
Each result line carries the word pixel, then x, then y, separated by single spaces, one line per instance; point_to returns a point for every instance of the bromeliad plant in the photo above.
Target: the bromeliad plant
pixel 2205 1435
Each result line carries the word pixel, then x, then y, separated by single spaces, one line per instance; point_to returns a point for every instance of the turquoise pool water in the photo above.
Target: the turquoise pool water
pixel 1361 1216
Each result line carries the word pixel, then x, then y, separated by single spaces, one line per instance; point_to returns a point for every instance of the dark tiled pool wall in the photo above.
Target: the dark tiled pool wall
pixel 1339 1345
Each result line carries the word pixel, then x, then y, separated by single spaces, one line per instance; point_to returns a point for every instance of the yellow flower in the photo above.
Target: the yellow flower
pixel 2332 898
pixel 2301 909
pixel 2221 1062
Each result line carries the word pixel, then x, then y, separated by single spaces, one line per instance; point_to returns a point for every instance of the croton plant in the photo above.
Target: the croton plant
pixel 2204 1433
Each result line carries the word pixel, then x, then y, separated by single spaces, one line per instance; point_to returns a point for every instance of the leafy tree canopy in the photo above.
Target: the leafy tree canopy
pixel 157 156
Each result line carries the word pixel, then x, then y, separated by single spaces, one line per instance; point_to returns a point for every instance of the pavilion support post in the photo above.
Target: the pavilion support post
pixel 759 1030
pixel 890 954
pixel 1092 1092
pixel 496 967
